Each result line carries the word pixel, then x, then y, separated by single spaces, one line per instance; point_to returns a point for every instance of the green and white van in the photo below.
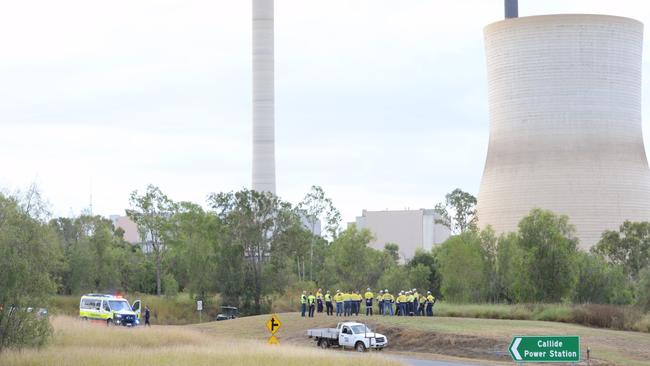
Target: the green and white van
pixel 111 309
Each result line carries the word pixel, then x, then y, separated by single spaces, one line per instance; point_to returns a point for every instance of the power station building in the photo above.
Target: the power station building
pixel 564 95
pixel 409 229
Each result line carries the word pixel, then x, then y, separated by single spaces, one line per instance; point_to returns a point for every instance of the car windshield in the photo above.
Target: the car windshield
pixel 119 305
pixel 358 329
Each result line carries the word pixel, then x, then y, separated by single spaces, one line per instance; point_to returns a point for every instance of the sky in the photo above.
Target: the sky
pixel 382 103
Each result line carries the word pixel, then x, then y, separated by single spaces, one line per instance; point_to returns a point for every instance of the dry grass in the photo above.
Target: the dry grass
pixel 82 343
pixel 462 337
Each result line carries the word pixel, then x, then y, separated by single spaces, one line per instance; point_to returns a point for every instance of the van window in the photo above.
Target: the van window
pixel 106 308
pixel 85 304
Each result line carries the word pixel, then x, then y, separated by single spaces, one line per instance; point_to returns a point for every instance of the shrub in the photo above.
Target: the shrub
pixel 606 316
pixel 170 286
pixel 21 328
pixel 643 290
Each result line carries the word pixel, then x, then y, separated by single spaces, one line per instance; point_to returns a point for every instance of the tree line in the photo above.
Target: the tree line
pixel 246 246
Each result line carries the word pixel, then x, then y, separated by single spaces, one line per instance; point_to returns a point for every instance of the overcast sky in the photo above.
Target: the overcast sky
pixel 382 103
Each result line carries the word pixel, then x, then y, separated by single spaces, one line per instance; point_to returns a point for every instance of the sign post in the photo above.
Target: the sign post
pixel 273 325
pixel 199 308
pixel 545 349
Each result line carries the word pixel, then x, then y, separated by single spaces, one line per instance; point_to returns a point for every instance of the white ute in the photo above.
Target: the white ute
pixel 348 334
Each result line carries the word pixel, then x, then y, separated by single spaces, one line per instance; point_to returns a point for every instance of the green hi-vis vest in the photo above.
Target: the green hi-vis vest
pixel 303 299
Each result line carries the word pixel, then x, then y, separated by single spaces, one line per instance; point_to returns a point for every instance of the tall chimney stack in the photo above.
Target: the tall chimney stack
pixel 263 98
pixel 512 9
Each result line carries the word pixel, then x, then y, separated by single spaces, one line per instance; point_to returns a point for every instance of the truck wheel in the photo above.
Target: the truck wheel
pixel 360 347
pixel 324 343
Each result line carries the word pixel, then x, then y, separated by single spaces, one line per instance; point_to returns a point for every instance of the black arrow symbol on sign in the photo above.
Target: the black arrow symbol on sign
pixel 273 324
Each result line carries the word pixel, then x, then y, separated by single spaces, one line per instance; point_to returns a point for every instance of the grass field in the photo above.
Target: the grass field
pixel 84 343
pixel 243 342
pixel 459 337
pixel 181 309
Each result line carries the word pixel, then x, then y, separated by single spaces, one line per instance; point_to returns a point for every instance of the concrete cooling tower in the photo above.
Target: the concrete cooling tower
pixel 564 96
pixel 263 97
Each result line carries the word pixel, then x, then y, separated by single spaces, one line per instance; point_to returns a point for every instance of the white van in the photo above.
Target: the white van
pixel 111 309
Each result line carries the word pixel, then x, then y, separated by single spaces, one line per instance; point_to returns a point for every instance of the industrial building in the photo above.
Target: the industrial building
pixel 409 229
pixel 564 95
pixel 131 233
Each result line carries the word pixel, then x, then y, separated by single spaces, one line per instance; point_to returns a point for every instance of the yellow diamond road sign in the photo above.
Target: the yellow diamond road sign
pixel 273 325
pixel 273 340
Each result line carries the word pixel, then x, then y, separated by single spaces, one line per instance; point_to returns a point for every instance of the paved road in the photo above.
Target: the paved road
pixel 424 362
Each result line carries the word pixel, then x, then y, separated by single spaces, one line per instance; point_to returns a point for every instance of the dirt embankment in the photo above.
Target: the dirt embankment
pixel 423 342
pixel 410 340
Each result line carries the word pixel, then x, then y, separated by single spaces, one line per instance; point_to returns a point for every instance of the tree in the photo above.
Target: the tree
pixel 600 282
pixel 643 290
pixel 392 250
pixel 152 212
pixel 253 222
pixel 550 248
pixel 394 279
pixel 96 256
pixel 194 237
pixel 315 208
pixel 432 280
pixel 510 266
pixel 628 247
pixel 488 242
pixel 462 268
pixel 458 212
pixel 30 262
pixel 349 260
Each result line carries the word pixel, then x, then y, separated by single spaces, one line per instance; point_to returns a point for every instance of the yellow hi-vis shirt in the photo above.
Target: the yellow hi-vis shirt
pixel 380 297
pixel 416 295
pixel 356 297
pixel 388 297
pixel 401 298
pixel 338 297
pixel 409 298
pixel 319 295
pixel 346 296
pixel 369 295
pixel 430 298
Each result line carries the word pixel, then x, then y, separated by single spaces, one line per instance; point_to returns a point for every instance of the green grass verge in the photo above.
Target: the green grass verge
pixel 176 310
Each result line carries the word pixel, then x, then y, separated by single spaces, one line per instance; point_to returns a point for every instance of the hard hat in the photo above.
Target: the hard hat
pixel 381 291
pixel 368 289
pixel 428 292
pixel 386 290
pixel 414 289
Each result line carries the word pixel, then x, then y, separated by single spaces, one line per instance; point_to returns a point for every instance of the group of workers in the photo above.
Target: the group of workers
pixel 348 303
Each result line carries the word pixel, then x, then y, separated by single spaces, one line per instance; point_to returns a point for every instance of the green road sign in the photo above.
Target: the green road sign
pixel 545 349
